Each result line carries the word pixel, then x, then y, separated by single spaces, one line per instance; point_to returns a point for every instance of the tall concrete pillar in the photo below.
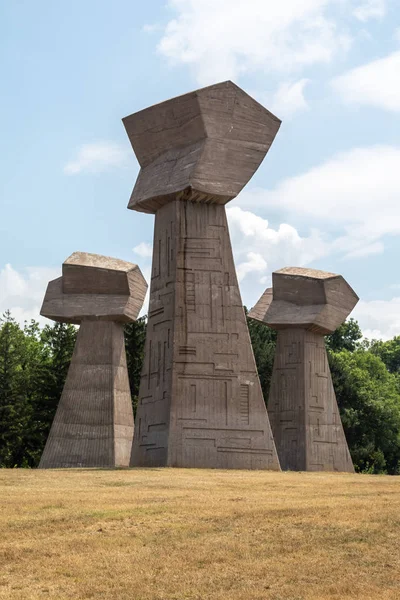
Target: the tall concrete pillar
pixel 200 401
pixel 93 425
pixel 304 305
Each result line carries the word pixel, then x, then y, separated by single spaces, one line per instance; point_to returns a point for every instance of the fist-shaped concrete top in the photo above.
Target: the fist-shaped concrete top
pixel 95 287
pixel 306 298
pixel 202 146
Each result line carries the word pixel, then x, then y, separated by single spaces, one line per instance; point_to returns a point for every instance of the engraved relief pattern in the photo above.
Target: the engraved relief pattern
pixel 150 442
pixel 210 398
pixel 227 424
pixel 326 444
pixel 285 408
pixel 302 405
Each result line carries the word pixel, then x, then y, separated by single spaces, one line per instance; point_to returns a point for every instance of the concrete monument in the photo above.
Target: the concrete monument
pixel 93 425
pixel 304 305
pixel 200 401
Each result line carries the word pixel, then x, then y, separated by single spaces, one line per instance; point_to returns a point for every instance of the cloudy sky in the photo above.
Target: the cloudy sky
pixel 327 195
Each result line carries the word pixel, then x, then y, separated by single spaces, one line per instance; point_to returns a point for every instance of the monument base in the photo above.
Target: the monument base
pixel 93 425
pixel 302 406
pixel 200 400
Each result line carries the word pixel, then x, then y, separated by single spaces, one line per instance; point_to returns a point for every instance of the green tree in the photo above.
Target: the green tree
pixel 18 350
pixel 389 352
pixel 263 340
pixel 346 337
pixel 369 403
pixel 57 342
pixel 33 367
pixel 135 335
pixel 33 362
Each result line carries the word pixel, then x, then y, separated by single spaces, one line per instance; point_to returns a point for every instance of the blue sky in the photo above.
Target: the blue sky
pixel 326 196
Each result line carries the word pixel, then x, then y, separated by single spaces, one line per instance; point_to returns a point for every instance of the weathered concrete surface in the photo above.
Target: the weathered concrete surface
pixel 303 305
pixel 95 287
pixel 202 146
pixel 308 298
pixel 200 400
pixel 93 425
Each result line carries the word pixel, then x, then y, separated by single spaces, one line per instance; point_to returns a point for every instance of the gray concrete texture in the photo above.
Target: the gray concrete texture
pixel 93 425
pixel 200 401
pixel 202 146
pixel 303 305
pixel 95 287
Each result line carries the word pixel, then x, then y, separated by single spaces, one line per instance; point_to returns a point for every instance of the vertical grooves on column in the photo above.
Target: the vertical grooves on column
pixel 301 381
pixel 114 367
pixel 150 446
pixel 307 373
pixel 195 416
pixel 123 413
pixel 83 430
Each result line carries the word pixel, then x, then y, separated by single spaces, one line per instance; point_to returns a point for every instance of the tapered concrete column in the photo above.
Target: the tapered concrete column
pixel 200 401
pixel 93 425
pixel 304 305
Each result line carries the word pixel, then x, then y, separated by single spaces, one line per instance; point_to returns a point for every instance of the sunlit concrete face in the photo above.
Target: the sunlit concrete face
pixel 93 425
pixel 303 305
pixel 200 400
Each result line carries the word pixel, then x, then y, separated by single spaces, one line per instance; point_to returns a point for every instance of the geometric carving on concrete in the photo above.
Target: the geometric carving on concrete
pixel 93 424
pixel 304 305
pixel 95 287
pixel 200 401
pixel 202 146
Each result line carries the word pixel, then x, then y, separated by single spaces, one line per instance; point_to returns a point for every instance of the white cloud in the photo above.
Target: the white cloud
pixel 146 271
pixel 97 157
pixel 255 263
pixel 152 28
pixel 379 319
pixel 370 9
pixel 355 192
pixel 143 249
pixel 367 250
pixel 267 279
pixel 287 100
pixel 22 292
pixel 223 39
pixel 374 84
pixel 257 247
pixel 259 250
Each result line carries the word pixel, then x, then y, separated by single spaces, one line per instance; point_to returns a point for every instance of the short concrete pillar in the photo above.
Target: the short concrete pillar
pixel 93 425
pixel 304 305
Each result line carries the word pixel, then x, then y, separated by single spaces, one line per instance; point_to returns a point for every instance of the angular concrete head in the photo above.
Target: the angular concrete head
pixel 307 299
pixel 95 287
pixel 203 146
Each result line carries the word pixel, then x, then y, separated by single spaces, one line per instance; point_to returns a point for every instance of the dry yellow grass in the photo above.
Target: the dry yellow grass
pixel 166 534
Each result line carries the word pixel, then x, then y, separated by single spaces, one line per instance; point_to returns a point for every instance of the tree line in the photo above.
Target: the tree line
pixel 34 363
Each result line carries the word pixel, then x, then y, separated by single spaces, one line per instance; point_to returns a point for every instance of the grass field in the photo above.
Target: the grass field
pixel 166 534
